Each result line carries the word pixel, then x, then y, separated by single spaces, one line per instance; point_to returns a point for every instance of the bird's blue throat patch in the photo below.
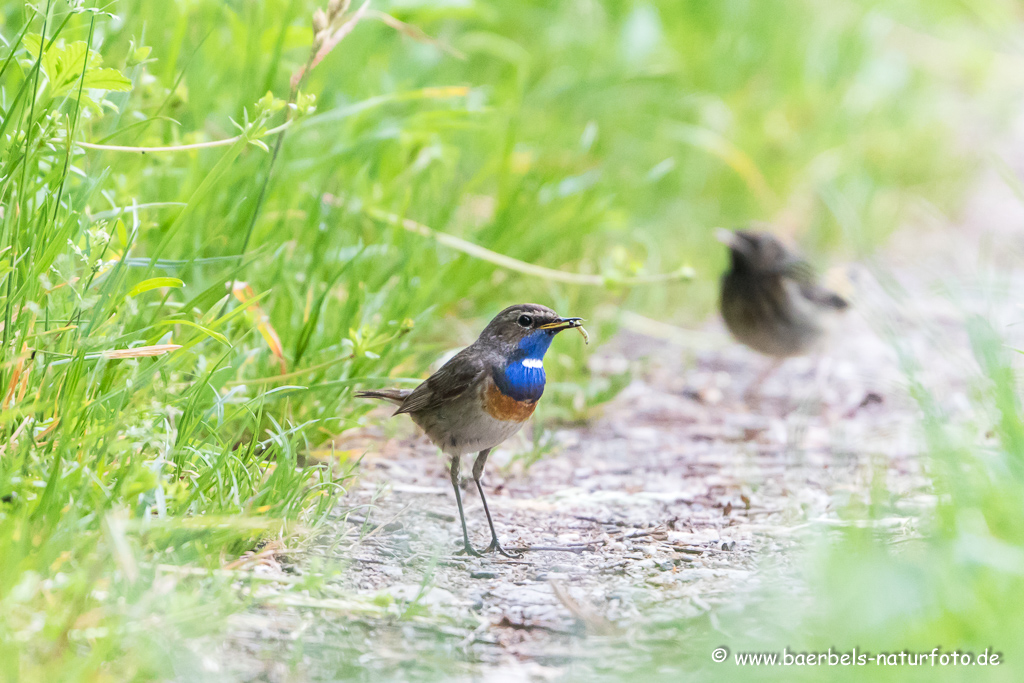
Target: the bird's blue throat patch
pixel 523 376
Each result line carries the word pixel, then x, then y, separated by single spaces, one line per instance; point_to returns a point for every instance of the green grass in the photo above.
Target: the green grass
pixel 604 139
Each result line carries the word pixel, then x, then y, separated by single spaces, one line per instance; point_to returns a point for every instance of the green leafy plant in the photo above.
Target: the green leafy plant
pixel 72 65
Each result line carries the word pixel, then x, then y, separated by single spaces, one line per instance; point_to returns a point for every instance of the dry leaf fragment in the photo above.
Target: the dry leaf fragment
pixel 141 351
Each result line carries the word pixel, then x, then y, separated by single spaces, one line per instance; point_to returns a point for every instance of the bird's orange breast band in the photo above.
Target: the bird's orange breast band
pixel 505 408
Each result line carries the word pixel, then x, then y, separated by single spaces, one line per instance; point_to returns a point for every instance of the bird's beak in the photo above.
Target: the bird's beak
pixel 562 324
pixel 727 237
pixel 735 241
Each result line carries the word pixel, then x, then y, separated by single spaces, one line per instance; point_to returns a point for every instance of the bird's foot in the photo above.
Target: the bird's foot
pixel 467 549
pixel 495 547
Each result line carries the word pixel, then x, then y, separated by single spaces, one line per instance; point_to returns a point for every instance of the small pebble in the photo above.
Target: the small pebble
pixel 483 574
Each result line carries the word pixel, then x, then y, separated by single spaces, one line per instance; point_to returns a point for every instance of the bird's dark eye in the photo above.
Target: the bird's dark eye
pixel 525 321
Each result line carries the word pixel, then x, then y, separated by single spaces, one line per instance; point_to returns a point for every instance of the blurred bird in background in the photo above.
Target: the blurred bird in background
pixel 771 300
pixel 484 394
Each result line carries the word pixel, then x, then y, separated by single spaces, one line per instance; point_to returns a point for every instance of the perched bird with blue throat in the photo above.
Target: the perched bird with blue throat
pixel 484 395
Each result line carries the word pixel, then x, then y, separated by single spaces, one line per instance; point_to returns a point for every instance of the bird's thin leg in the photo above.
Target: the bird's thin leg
pixel 467 549
pixel 478 472
pixel 755 387
pixel 822 374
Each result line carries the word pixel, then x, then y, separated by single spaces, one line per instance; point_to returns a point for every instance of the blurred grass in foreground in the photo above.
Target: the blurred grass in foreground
pixel 601 139
pixel 957 585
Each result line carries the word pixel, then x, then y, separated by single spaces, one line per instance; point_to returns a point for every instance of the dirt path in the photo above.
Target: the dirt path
pixel 668 506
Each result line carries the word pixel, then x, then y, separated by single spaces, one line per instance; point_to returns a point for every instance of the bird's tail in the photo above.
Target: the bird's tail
pixel 396 396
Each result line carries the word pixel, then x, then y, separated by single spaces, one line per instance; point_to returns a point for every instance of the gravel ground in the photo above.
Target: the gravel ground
pixel 671 505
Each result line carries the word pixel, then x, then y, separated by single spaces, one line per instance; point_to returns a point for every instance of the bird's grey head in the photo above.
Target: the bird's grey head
pixel 754 251
pixel 525 327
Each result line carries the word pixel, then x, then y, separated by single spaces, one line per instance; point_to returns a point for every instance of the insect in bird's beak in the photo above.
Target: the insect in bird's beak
pixel 565 324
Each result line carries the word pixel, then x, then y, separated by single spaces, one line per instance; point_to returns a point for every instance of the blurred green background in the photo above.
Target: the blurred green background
pixel 602 140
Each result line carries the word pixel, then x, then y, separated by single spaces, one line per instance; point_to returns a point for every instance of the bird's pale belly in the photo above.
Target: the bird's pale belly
pixel 478 421
pixel 775 321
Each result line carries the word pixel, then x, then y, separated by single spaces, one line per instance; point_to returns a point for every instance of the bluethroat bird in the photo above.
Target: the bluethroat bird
pixel 484 394
pixel 771 300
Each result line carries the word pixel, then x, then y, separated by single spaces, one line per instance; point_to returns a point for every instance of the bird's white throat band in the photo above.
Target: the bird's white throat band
pixel 535 363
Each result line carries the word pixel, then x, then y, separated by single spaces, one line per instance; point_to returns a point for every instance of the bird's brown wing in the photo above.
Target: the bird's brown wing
pixel 795 268
pixel 453 379
pixel 825 298
pixel 803 274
